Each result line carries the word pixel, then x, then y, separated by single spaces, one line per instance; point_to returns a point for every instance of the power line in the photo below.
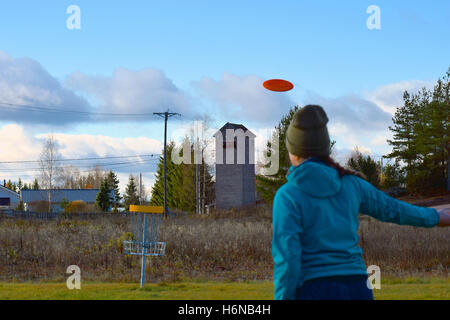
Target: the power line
pixel 85 166
pixel 125 166
pixel 81 159
pixel 54 109
pixel 81 171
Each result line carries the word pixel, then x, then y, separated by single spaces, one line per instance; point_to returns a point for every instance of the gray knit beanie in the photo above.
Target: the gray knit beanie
pixel 307 135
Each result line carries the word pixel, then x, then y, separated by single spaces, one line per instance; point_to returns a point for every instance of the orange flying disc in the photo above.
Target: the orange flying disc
pixel 278 85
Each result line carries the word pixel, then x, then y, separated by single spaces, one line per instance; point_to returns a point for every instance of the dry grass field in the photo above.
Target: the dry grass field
pixel 232 246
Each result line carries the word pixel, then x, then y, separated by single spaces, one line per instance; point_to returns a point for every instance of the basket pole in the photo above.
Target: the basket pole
pixel 144 239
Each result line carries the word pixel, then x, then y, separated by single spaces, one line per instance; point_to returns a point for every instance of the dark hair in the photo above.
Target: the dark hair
pixel 341 170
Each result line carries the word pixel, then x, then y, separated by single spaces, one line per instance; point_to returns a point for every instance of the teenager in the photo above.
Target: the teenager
pixel 315 218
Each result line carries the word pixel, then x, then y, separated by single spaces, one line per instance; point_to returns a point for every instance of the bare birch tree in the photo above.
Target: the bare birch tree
pixel 49 166
pixel 201 139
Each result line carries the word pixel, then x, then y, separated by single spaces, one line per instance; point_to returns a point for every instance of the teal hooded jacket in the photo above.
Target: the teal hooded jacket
pixel 315 223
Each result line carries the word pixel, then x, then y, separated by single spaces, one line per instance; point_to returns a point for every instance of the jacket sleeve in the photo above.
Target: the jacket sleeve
pixel 286 247
pixel 381 206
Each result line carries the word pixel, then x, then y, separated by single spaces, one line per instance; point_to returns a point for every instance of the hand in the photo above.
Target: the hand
pixel 444 217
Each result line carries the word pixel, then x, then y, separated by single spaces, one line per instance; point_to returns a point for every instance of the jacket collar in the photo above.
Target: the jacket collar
pixel 316 178
pixel 310 159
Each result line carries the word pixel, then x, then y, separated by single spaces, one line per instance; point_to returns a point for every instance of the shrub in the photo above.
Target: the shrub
pixel 76 206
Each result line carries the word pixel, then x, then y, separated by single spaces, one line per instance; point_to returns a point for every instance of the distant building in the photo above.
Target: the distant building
pixel 33 198
pixel 8 198
pixel 235 167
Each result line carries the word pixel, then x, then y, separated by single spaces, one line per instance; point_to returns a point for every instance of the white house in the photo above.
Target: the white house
pixel 8 198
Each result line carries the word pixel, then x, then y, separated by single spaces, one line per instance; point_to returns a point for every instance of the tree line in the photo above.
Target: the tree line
pixel 421 139
pixel 19 185
pixel 181 183
pixel 109 195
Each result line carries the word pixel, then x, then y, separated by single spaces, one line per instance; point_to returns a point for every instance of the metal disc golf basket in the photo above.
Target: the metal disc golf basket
pixel 145 224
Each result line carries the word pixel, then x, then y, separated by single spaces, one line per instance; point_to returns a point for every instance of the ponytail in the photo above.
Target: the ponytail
pixel 341 170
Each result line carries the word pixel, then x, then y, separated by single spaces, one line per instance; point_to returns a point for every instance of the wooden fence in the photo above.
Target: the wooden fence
pixel 54 216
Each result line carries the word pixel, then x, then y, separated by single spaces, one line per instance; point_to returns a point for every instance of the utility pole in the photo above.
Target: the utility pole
pixel 197 188
pixel 204 145
pixel 197 158
pixel 204 188
pixel 166 115
pixel 140 188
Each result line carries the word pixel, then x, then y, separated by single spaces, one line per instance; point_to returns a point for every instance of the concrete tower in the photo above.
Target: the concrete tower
pixel 235 166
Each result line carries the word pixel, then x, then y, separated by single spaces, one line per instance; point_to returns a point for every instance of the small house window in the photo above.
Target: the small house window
pixel 5 201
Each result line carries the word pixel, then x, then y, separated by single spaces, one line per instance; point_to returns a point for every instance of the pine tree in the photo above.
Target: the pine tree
pixel 187 190
pixel 173 181
pixel 113 183
pixel 434 136
pixel 130 197
pixel 404 145
pixel 103 199
pixel 366 165
pixel 391 176
pixel 35 185
pixel 267 186
pixel 421 137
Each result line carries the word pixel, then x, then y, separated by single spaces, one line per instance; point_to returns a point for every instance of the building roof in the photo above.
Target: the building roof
pixel 234 126
pixel 86 195
pixel 13 193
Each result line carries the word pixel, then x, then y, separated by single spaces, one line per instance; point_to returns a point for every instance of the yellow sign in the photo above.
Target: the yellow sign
pixel 146 209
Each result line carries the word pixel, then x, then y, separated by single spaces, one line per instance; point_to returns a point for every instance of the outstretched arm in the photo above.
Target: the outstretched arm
pixel 379 205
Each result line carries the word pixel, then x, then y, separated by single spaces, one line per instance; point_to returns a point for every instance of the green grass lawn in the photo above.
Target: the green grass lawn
pixel 433 288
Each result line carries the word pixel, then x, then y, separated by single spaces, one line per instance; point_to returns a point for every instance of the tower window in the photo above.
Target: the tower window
pixel 225 144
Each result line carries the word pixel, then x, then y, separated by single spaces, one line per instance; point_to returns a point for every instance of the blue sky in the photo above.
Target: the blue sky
pixel 202 52
pixel 321 45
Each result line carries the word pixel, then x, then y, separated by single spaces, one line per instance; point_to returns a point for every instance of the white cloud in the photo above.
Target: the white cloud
pixel 390 96
pixel 357 114
pixel 380 140
pixel 25 82
pixel 354 122
pixel 76 146
pixel 364 121
pixel 144 91
pixel 17 144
